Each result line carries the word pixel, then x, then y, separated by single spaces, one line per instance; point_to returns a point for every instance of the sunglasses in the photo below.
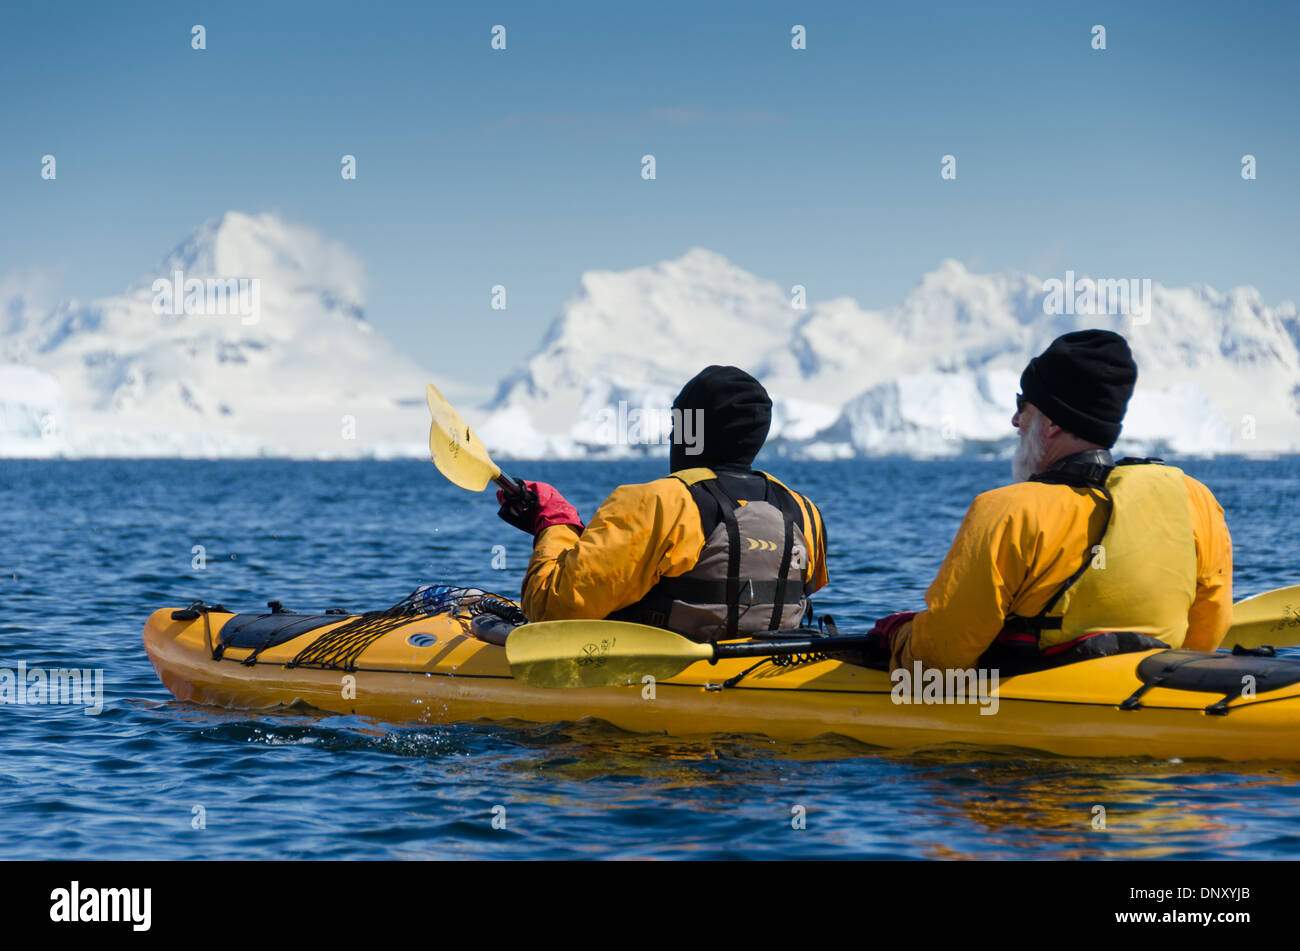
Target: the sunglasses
pixel 1020 402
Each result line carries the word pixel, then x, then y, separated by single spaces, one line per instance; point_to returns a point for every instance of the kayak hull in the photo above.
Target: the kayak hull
pixel 433 670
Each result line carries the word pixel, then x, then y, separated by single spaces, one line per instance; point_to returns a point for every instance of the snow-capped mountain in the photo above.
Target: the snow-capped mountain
pixel 248 339
pixel 643 332
pixel 935 375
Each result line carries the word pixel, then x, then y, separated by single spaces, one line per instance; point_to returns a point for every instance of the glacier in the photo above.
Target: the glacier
pixel 934 376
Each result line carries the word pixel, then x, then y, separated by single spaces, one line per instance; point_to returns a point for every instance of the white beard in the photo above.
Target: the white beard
pixel 1029 452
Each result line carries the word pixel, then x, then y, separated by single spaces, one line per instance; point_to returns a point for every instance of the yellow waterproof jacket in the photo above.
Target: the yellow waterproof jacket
pixel 1016 548
pixel 640 534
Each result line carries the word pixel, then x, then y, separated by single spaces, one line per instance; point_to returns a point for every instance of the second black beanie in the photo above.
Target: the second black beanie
pixel 1082 383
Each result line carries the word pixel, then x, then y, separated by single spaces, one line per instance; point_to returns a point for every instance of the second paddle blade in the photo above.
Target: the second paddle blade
pixel 598 653
pixel 1271 618
pixel 454 448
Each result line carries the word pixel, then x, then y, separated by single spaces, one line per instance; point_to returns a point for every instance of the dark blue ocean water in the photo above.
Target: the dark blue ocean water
pixel 90 548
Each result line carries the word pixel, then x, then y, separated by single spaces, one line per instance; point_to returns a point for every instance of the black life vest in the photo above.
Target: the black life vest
pixel 754 571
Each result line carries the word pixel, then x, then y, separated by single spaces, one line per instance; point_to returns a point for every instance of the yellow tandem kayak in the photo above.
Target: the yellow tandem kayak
pixel 437 668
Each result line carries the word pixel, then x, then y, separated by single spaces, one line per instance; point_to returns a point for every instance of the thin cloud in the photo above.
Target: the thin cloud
pixel 612 122
pixel 693 115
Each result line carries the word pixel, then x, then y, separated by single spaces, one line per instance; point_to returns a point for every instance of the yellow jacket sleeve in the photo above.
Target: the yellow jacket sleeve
pixel 1210 616
pixel 817 546
pixel 814 536
pixel 973 592
pixel 641 533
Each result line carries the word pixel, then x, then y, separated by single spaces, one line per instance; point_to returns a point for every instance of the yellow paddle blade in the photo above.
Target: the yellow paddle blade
pixel 1271 618
pixel 454 448
pixel 598 653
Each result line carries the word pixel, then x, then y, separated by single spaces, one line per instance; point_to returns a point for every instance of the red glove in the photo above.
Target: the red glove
pixel 543 508
pixel 887 627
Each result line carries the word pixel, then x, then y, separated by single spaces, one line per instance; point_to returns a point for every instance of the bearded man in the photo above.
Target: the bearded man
pixel 1081 556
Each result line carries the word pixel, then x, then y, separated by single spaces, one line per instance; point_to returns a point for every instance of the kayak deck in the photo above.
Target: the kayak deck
pixel 433 670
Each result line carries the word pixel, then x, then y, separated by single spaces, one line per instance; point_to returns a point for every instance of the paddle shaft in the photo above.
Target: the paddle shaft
pixel 824 645
pixel 509 486
pixel 828 645
pixel 519 497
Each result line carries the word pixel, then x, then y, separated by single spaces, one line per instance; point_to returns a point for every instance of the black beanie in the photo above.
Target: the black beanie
pixel 1082 383
pixel 733 414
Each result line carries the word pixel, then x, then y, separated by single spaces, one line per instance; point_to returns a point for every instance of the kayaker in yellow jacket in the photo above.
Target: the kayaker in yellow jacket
pixel 715 550
pixel 1079 547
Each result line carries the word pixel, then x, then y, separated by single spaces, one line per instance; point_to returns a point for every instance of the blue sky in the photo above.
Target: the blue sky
pixel 522 167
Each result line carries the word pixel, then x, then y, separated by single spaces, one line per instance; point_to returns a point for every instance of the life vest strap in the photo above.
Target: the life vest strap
pixel 786 504
pixel 1085 470
pixel 692 476
pixel 1068 645
pixel 1015 624
pixel 703 591
pixel 728 507
pixel 804 510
